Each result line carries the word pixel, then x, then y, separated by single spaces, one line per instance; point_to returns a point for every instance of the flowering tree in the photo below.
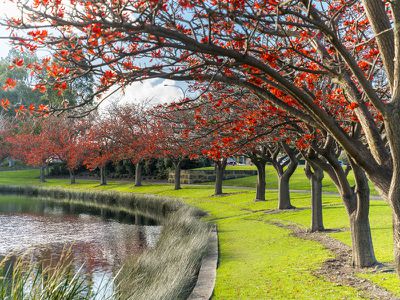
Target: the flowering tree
pixel 172 133
pixel 99 148
pixel 215 138
pixel 66 139
pixel 32 146
pixel 129 128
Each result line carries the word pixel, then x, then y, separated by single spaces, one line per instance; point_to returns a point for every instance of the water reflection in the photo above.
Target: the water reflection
pixel 99 239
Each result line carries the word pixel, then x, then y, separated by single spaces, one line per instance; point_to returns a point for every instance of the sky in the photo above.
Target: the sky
pixel 157 90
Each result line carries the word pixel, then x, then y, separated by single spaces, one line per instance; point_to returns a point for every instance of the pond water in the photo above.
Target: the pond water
pixel 98 240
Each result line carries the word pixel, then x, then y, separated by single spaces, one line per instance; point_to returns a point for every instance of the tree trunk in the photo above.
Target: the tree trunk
pixel 392 126
pixel 72 176
pixel 177 166
pixel 11 162
pixel 396 240
pixel 219 170
pixel 363 250
pixel 261 185
pixel 42 175
pixel 284 193
pixel 316 200
pixel 103 178
pixel 285 175
pixel 138 174
pixel 356 202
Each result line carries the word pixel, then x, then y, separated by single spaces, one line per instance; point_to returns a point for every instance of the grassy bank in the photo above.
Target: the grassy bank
pixel 167 271
pixel 257 259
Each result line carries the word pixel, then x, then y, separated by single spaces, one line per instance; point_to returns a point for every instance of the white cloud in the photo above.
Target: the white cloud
pixel 154 90
pixel 157 90
pixel 8 8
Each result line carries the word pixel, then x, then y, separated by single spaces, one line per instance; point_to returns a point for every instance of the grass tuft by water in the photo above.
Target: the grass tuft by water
pixel 24 279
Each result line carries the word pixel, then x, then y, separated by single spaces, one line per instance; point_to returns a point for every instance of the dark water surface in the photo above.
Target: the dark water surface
pixel 99 240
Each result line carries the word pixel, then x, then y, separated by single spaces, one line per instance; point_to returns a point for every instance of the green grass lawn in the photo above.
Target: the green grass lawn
pixel 297 182
pixel 257 259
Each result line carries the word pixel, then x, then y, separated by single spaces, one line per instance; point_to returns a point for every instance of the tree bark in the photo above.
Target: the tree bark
pixel 42 174
pixel 138 174
pixel 177 166
pixel 103 177
pixel 393 128
pixel 219 176
pixel 284 193
pixel 261 185
pixel 317 223
pixel 259 157
pixel 396 241
pixel 72 176
pixel 11 162
pixel 315 176
pixel 363 250
pixel 356 201
pixel 381 25
pixel 284 175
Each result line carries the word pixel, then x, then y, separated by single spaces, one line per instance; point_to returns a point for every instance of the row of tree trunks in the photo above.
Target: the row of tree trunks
pixel 103 175
pixel 177 176
pixel 362 247
pixel 356 200
pixel 138 175
pixel 284 169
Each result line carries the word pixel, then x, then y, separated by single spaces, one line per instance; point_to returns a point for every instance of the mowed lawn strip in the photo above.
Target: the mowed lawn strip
pixel 257 259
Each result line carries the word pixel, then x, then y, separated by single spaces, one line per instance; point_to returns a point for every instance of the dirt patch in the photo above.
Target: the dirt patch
pixel 339 269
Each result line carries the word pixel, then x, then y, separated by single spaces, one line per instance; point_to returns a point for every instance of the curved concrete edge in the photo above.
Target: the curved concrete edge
pixel 204 287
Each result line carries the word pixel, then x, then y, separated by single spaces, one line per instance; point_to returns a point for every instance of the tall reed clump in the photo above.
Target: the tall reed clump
pixel 22 279
pixel 167 271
